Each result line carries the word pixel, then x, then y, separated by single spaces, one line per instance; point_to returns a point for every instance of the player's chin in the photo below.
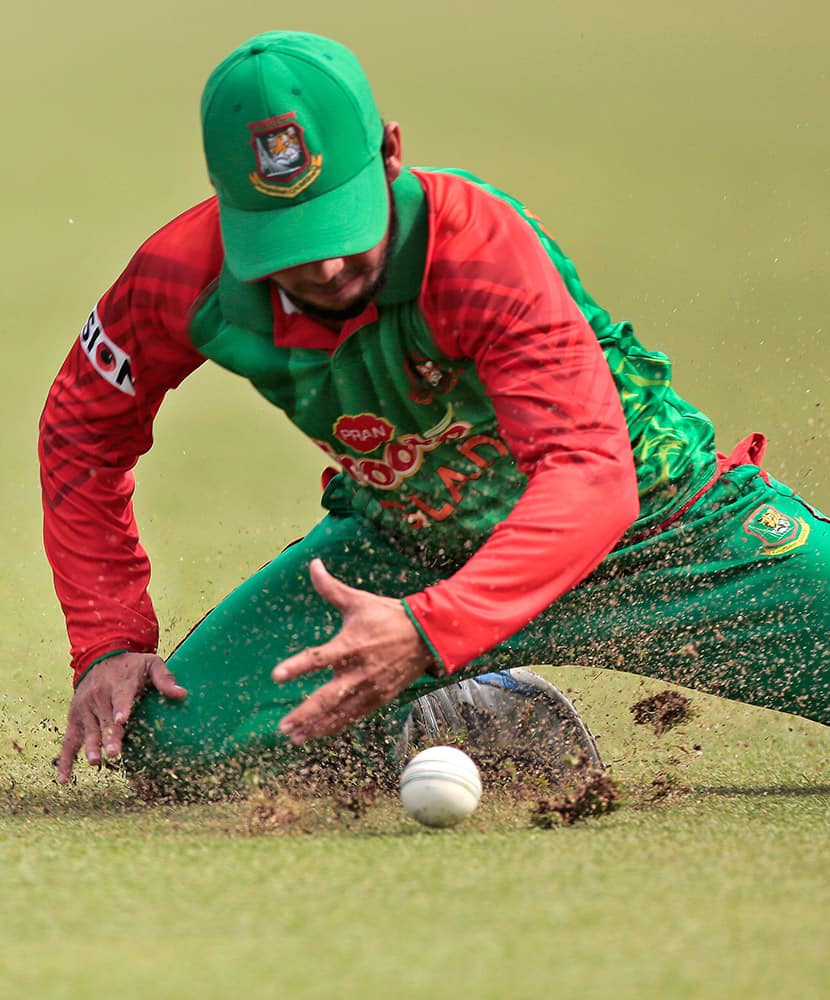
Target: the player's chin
pixel 337 311
pixel 351 295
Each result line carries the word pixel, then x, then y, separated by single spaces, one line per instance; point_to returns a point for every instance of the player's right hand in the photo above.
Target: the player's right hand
pixel 102 704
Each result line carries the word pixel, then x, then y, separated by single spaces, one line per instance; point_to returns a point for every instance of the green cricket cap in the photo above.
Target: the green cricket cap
pixel 292 138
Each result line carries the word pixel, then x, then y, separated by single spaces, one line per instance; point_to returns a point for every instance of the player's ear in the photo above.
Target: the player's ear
pixel 391 150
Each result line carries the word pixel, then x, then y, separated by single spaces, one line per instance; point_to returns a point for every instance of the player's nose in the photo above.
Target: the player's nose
pixel 323 271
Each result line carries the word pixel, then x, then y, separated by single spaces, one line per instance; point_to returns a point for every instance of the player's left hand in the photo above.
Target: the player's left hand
pixel 375 655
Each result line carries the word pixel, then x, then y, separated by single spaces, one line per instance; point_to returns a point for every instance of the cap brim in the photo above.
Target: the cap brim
pixel 349 219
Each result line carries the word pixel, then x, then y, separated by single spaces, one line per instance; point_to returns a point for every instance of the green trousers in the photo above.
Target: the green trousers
pixel 733 599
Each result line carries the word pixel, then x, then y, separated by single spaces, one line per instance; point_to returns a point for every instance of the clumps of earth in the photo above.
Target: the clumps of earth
pixel 522 746
pixel 550 771
pixel 272 811
pixel 346 777
pixel 663 786
pixel 594 793
pixel 662 711
pixel 556 774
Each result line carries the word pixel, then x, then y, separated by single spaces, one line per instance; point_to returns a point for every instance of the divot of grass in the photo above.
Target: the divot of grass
pixel 662 711
pixel 594 794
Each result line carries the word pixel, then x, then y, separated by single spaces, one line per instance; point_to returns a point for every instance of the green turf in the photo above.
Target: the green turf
pixel 719 890
pixel 679 153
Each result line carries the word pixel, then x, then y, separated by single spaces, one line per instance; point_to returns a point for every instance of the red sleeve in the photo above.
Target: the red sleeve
pixel 491 294
pixel 98 420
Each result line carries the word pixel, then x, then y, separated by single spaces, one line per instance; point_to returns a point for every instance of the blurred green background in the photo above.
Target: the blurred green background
pixel 679 153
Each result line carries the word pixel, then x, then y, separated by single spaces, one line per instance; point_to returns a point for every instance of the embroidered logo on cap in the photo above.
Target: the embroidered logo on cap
pixel 284 165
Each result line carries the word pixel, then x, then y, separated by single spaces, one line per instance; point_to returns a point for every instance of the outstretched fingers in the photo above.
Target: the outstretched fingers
pixel 374 656
pixel 118 702
pixel 337 593
pixel 331 709
pixel 92 740
pixel 72 742
pixel 309 661
pixel 164 682
pixel 101 706
pixel 83 730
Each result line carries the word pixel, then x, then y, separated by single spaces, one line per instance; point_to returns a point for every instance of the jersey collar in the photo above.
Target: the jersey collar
pixel 407 261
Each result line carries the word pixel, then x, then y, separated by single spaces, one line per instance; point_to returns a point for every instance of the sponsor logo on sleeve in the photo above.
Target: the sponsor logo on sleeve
pixel 107 358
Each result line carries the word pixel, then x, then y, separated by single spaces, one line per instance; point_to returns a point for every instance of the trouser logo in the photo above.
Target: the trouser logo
pixel 777 531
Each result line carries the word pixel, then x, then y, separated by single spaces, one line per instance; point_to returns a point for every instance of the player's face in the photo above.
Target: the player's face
pixel 338 287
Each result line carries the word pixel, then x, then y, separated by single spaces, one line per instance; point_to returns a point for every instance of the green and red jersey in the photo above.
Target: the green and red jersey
pixel 487 415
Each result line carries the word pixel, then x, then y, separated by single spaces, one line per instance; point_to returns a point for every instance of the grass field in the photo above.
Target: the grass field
pixel 680 157
pixel 719 891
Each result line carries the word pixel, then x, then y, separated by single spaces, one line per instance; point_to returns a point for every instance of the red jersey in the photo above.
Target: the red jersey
pixel 483 307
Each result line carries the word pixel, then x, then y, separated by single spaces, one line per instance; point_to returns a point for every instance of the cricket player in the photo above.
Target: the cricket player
pixel 514 478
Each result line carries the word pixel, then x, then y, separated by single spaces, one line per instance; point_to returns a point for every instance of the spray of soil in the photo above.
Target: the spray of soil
pixel 662 711
pixel 593 794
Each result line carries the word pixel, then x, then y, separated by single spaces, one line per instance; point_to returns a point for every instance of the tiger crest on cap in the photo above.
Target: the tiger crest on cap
pixel 284 165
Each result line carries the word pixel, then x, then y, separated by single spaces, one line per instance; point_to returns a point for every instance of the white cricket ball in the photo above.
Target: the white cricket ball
pixel 440 786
